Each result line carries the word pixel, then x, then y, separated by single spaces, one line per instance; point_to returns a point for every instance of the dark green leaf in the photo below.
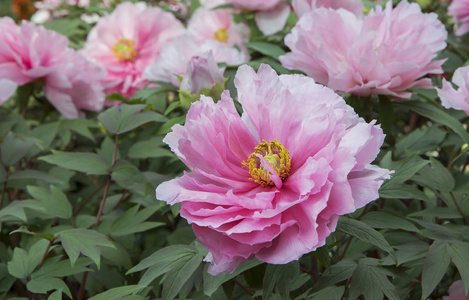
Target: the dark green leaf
pixel 52 202
pixel 80 126
pixel 178 275
pixel 85 241
pixel 44 284
pixel 459 255
pixel 329 293
pixel 118 293
pixel 89 163
pixel 23 263
pixel 365 233
pixel 166 127
pixel 133 221
pixel 32 174
pixel 281 276
pixel 371 282
pixel 123 118
pixel 13 149
pixel 378 219
pixel 148 92
pixel 339 272
pixel 436 264
pixel 438 115
pixel 149 148
pixel 435 176
pixel 212 283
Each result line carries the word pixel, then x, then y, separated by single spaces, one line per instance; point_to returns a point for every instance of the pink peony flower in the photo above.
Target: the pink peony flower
pixel 175 56
pixel 385 53
pixel 450 98
pixel 29 53
pixel 456 292
pixel 127 41
pixel 272 183
pixel 459 10
pixel 208 24
pixel 202 72
pixel 303 6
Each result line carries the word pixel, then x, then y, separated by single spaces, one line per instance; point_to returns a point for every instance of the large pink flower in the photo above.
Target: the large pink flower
pixel 272 183
pixel 303 6
pixel 29 52
pixel 459 10
pixel 450 98
pixel 127 41
pixel 385 53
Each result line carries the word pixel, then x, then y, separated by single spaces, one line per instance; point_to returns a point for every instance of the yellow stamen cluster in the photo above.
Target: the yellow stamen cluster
pixel 221 35
pixel 276 155
pixel 124 50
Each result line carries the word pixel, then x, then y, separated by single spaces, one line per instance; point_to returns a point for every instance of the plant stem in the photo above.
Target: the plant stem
pixel 243 287
pixel 47 250
pixel 83 203
pixel 458 208
pixel 81 293
pixel 108 182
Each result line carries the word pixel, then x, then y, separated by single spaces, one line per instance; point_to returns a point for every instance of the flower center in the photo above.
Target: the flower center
pixel 124 50
pixel 269 164
pixel 221 35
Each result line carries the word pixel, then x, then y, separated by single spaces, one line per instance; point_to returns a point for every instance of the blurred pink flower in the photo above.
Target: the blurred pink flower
pixel 127 41
pixel 272 183
pixel 450 98
pixel 217 24
pixel 459 10
pixel 202 72
pixel 385 53
pixel 174 57
pixel 456 292
pixel 303 6
pixel 29 53
pixel 270 16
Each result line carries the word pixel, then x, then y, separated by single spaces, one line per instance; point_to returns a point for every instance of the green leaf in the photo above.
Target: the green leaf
pixel 365 233
pixel 322 255
pixel 405 170
pixel 435 266
pixel 401 191
pixel 24 229
pixel 44 284
pixel 57 295
pixel 386 114
pixel 23 263
pixel 420 140
pixel 166 127
pixel 148 92
pixel 281 276
pixel 407 252
pixel 31 174
pixel 85 241
pixel 435 176
pixel 212 283
pixel 15 209
pixel 89 163
pixel 459 255
pixel 133 221
pixel 80 126
pixel 437 114
pixel 339 272
pixel 378 219
pixel 268 49
pixel 329 293
pixel 13 149
pixel 178 275
pixel 52 202
pixel 118 292
pixel 438 212
pixel 371 282
pixel 150 148
pixel 123 118
pixel 55 267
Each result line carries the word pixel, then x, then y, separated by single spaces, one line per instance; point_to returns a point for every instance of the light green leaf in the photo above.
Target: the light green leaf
pixel 268 49
pixel 32 174
pixel 435 266
pixel 85 241
pixel 24 229
pixel 57 295
pixel 80 126
pixel 435 176
pixel 166 127
pixel 123 118
pixel 89 163
pixel 118 293
pixel 55 267
pixel 148 92
pixel 365 233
